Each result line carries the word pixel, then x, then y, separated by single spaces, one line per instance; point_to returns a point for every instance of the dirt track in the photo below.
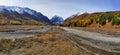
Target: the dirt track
pixel 101 41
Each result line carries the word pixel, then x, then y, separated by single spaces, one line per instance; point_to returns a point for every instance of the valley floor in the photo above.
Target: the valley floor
pixel 58 41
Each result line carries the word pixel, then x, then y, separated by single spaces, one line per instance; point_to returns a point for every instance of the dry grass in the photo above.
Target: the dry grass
pixel 12 28
pixel 110 31
pixel 52 43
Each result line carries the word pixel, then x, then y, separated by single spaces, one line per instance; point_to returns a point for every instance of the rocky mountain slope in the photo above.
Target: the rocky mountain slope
pixel 19 15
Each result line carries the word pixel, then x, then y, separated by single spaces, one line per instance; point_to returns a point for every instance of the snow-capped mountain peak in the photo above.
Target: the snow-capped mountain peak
pixel 19 10
pixel 57 20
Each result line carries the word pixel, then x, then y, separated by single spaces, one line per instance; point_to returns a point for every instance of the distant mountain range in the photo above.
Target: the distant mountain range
pixel 13 15
pixel 19 15
pixel 57 20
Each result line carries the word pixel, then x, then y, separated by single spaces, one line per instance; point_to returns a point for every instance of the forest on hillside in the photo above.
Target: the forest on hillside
pixel 100 18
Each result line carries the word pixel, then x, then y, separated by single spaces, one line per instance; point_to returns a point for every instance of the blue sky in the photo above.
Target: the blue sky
pixel 65 8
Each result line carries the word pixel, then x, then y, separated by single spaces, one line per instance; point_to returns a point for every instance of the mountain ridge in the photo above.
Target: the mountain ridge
pixel 22 13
